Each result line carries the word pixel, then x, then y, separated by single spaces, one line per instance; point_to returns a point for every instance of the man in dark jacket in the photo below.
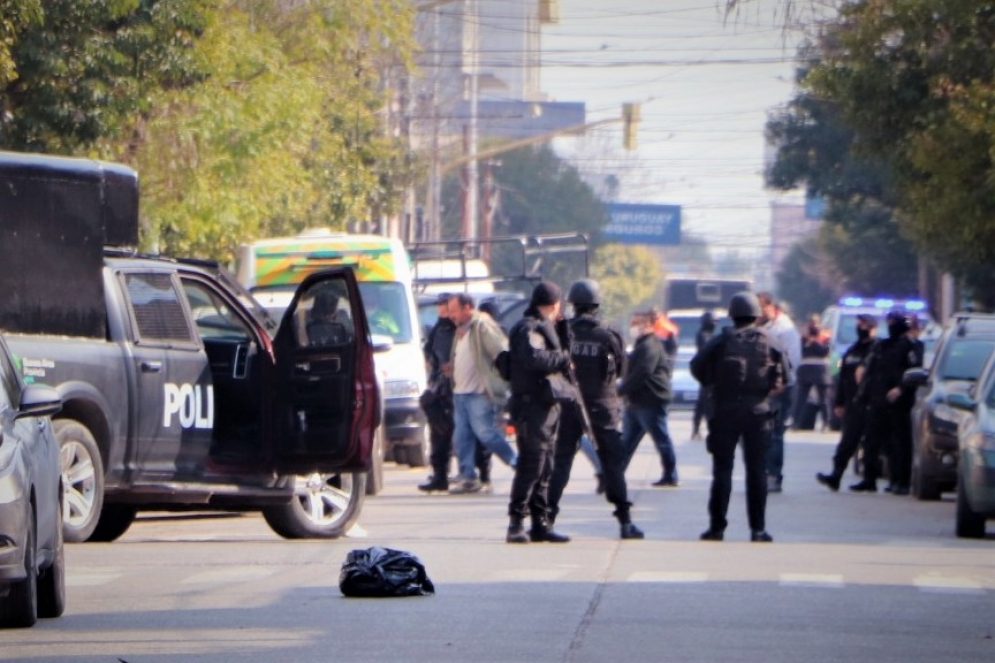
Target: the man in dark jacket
pixel 743 366
pixel 437 401
pixel 889 406
pixel 540 361
pixel 847 404
pixel 646 386
pixel 704 334
pixel 598 358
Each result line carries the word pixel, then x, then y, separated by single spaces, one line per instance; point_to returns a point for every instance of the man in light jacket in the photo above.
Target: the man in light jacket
pixel 479 392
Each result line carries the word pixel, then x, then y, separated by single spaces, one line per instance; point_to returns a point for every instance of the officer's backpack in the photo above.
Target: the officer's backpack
pixel 745 367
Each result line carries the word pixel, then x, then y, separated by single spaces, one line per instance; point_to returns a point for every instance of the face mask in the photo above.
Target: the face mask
pixel 863 334
pixel 635 332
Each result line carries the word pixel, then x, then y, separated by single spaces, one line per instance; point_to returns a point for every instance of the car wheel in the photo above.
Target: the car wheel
pixel 115 519
pixel 324 506
pixel 374 478
pixel 82 479
pixel 970 525
pixel 20 607
pixel 922 487
pixel 417 454
pixel 399 453
pixel 52 581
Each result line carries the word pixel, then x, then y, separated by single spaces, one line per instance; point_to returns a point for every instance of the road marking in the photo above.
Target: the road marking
pixel 230 574
pixel 811 580
pixel 668 576
pixel 948 585
pixel 90 579
pixel 547 575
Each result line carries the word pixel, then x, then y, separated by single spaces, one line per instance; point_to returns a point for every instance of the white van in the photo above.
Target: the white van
pixel 271 268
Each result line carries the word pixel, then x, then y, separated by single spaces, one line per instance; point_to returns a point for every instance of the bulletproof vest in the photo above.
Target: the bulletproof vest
pixel 744 369
pixel 593 357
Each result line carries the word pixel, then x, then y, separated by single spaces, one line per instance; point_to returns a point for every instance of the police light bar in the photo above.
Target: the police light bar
pixel 884 303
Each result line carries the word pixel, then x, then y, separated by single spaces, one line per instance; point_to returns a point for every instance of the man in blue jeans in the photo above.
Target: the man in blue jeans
pixel 479 392
pixel 646 386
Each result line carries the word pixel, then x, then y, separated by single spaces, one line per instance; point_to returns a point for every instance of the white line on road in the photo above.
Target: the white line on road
pixel 948 584
pixel 811 580
pixel 668 576
pixel 231 574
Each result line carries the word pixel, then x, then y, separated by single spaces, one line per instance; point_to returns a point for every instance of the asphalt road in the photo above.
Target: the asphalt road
pixel 850 577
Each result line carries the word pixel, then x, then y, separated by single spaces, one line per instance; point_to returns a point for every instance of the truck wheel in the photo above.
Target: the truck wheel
pixel 82 479
pixel 52 581
pixel 20 606
pixel 324 506
pixel 115 519
pixel 374 478
pixel 970 525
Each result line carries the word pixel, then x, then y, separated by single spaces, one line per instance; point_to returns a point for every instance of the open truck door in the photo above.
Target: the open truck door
pixel 326 393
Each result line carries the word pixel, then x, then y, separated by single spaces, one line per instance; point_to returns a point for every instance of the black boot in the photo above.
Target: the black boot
pixel 435 483
pixel 630 531
pixel 601 483
pixel 830 481
pixel 516 531
pixel 543 532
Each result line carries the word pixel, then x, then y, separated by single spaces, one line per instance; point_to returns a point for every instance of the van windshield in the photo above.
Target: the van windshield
pixel 387 309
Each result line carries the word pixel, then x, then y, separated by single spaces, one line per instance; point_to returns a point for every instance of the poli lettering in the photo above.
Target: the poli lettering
pixel 192 403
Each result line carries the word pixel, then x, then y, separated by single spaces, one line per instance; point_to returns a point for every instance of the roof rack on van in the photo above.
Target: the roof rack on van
pixel 469 260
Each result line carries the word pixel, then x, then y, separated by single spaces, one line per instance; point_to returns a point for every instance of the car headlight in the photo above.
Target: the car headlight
pixel 401 389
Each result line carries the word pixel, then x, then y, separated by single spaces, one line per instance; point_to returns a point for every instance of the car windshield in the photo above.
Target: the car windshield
pixel 387 310
pixel 963 358
pixel 688 326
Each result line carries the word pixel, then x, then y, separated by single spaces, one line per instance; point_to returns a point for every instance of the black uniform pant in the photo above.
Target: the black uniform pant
pixel 889 430
pixel 854 423
pixel 808 376
pixel 536 427
pixel 725 429
pixel 610 453
pixel 441 425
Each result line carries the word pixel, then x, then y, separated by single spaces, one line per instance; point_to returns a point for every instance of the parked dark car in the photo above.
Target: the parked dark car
pixel 976 445
pixel 963 348
pixel 32 563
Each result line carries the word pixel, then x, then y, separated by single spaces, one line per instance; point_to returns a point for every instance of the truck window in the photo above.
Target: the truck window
pixel 324 308
pixel 387 310
pixel 156 308
pixel 212 314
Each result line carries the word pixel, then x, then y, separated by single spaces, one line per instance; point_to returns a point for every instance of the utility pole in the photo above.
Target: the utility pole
pixel 471 202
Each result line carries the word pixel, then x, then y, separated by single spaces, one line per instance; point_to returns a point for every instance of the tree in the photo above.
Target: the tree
pixel 861 239
pixel 628 275
pixel 801 282
pixel 915 79
pixel 243 118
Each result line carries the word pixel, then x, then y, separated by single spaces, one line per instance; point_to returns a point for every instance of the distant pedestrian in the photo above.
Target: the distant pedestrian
pixel 783 333
pixel 479 391
pixel 539 367
pixel 704 334
pixel 598 356
pixel 437 401
pixel 849 404
pixel 812 373
pixel 889 424
pixel 647 390
pixel 743 367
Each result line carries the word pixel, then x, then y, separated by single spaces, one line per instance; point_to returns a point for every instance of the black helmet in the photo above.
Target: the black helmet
pixel 899 319
pixel 585 292
pixel 744 305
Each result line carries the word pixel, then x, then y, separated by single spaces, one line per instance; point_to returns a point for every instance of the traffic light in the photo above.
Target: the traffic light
pixel 630 120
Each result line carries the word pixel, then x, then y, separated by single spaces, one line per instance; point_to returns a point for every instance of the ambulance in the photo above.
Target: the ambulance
pixel 272 268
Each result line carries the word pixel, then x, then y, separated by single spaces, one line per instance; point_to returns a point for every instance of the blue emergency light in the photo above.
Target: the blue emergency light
pixel 883 303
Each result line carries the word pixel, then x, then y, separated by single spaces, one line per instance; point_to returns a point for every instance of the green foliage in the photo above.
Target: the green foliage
pixel 861 240
pixel 243 118
pixel 802 283
pixel 627 275
pixel 15 16
pixel 915 79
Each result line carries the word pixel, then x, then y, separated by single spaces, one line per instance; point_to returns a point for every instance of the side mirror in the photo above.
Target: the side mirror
pixel 960 400
pixel 381 343
pixel 915 377
pixel 38 401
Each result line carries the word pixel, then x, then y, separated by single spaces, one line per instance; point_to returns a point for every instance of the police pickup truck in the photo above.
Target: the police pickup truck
pixel 179 392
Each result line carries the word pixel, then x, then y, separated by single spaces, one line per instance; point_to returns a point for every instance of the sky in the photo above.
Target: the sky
pixel 705 85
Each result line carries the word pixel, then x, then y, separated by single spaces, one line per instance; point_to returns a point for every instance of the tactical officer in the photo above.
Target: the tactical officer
pixel 539 366
pixel 889 405
pixel 598 353
pixel 437 401
pixel 848 404
pixel 743 366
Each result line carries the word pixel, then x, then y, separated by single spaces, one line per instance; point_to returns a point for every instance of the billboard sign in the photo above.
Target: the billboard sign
pixel 634 223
